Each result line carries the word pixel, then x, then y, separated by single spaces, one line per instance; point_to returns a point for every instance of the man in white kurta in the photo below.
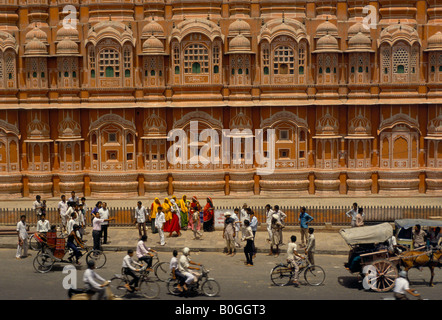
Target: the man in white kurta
pixel 22 238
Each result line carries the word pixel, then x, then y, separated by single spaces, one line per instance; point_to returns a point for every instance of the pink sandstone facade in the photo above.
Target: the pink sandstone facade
pixel 356 110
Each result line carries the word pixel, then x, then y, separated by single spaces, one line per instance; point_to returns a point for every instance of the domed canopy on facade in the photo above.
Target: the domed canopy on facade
pixel 67 47
pixel 278 27
pixel 152 28
pixel 326 28
pixel 327 43
pixel 69 129
pixel 356 28
pixel 7 41
pixel 110 29
pixel 359 43
pixel 239 44
pixel 35 48
pixel 435 42
pixel 398 32
pixel 67 32
pixel 204 26
pixel 239 27
pixel 153 46
pixel 36 33
pixel 154 127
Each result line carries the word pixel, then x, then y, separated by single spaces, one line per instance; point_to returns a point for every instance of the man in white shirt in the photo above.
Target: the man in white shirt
pixel 352 214
pixel 43 225
pixel 104 214
pixel 140 217
pixel 62 211
pixel 401 287
pixel 293 258
pixel 184 266
pixel 37 205
pixel 269 214
pixel 22 238
pixel 311 246
pixel 91 281
pixel 160 220
pixel 175 273
pixel 237 224
pixel 281 218
pixel 129 268
pixel 72 221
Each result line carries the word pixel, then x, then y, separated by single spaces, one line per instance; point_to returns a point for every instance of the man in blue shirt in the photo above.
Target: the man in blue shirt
pixel 304 219
pixel 254 226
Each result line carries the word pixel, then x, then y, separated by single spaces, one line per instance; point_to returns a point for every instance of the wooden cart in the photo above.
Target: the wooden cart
pixel 369 256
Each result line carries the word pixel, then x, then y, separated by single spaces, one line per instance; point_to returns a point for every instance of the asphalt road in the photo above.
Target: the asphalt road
pixel 19 280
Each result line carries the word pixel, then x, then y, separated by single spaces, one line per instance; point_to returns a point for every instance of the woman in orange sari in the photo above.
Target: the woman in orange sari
pixel 194 205
pixel 172 222
pixel 208 216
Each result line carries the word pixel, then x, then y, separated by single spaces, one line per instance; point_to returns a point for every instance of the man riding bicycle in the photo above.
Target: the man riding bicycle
pixel 293 258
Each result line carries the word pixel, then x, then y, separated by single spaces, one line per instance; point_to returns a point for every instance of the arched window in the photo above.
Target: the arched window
pixel 109 63
pixel 284 60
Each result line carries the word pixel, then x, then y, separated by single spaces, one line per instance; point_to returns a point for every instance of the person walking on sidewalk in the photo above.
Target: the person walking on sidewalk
pixel 195 223
pixel 104 214
pixel 304 220
pixel 37 206
pixel 352 214
pixel 249 248
pixel 277 227
pixel 269 214
pixel 153 214
pixel 140 218
pixel 281 217
pixel 229 233
pixel 160 220
pixel 237 225
pixel 96 209
pixel 62 211
pixel 22 233
pixel 254 226
pixel 184 212
pixel 311 245
pixel 360 218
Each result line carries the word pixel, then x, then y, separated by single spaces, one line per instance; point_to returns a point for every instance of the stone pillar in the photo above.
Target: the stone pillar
pixel 256 190
pixel 227 184
pixel 141 191
pixel 170 186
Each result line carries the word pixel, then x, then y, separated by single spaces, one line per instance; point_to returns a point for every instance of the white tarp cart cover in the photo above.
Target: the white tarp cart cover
pixel 367 234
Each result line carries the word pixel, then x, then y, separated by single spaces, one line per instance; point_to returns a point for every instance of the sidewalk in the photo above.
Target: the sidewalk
pixel 328 241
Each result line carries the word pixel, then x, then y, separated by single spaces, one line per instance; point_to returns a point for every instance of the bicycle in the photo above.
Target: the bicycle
pixel 282 273
pixel 205 285
pixel 160 269
pixel 146 287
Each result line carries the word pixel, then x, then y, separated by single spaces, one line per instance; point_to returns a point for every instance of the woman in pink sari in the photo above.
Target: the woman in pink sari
pixel 194 205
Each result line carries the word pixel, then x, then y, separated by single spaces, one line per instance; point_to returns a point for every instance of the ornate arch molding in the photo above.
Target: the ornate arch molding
pixel 9 128
pixel 206 27
pixel 199 116
pixel 112 118
pixel 284 116
pixel 7 41
pixel 110 29
pixel 399 119
pixel 394 33
pixel 278 27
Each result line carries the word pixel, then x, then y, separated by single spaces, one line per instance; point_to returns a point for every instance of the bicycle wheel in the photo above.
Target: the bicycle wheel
pixel 162 271
pixel 281 275
pixel 34 244
pixel 149 289
pixel 98 257
pixel 172 287
pixel 314 275
pixel 43 263
pixel 210 288
pixel 117 286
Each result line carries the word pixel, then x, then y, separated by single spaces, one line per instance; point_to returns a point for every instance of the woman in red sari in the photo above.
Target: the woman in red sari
pixel 194 205
pixel 208 216
pixel 172 221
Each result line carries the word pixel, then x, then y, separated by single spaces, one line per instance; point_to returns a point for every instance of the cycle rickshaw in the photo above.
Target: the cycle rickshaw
pixel 54 250
pixel 371 256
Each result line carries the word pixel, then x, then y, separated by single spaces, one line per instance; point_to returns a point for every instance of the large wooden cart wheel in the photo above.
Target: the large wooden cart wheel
pixel 383 274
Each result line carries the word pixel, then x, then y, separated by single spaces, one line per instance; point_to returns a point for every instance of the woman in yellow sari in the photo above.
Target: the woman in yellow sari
pixel 184 212
pixel 153 213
